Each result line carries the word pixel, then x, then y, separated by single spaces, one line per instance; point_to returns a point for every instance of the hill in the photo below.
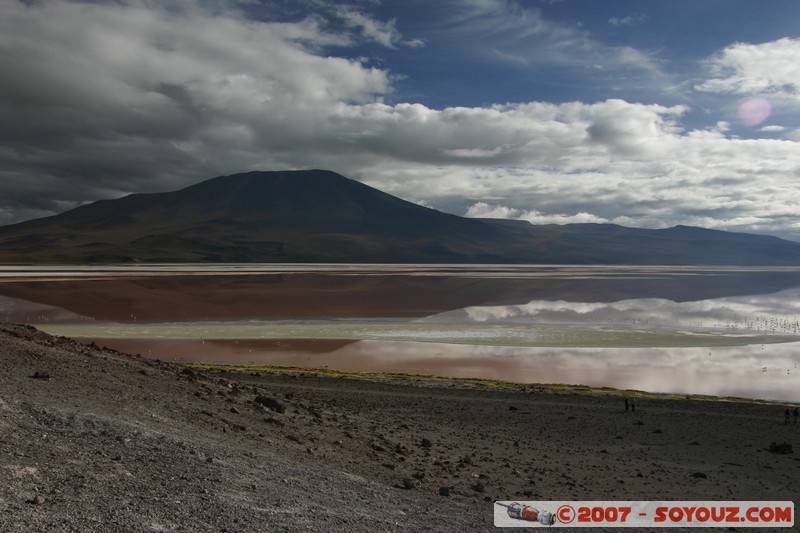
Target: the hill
pixel 321 216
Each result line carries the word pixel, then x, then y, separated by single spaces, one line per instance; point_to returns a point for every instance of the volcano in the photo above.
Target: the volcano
pixel 318 216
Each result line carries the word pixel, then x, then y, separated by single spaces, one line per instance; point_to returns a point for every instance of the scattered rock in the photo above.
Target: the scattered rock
pixel 699 475
pixel 409 483
pixel 444 491
pixel 234 410
pixel 270 403
pixel 513 408
pixel 426 443
pixel 657 431
pixel 44 376
pixel 36 500
pixel 694 443
pixel 479 487
pixel 784 448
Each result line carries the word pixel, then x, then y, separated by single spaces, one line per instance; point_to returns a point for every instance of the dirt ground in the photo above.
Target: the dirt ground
pixel 93 439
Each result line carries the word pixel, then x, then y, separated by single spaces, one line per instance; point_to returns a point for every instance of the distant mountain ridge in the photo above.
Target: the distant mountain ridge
pixel 321 216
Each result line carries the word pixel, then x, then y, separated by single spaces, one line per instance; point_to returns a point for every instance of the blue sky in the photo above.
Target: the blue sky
pixel 639 113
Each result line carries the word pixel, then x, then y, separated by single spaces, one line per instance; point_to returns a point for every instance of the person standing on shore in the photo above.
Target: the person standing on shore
pixel 633 405
pixel 795 414
pixel 626 404
pixel 786 416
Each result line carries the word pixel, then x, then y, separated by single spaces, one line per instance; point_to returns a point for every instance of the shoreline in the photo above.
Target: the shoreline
pixel 745 372
pixel 399 330
pixel 436 381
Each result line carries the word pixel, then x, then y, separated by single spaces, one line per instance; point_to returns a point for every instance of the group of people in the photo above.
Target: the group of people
pixel 630 404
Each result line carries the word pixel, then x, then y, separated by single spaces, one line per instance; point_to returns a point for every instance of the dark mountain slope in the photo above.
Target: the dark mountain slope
pixel 679 245
pixel 313 199
pixel 258 216
pixel 320 216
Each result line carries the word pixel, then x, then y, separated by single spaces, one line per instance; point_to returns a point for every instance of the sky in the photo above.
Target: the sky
pixel 639 113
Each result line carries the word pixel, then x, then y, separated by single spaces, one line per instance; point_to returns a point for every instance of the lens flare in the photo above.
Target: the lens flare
pixel 754 111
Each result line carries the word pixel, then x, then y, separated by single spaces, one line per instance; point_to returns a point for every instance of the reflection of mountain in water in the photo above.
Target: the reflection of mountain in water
pixel 220 297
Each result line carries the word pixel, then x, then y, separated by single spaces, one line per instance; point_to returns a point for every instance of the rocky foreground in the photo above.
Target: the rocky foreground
pixel 97 440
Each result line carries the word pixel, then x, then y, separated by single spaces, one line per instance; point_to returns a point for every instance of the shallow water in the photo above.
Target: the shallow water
pixel 719 331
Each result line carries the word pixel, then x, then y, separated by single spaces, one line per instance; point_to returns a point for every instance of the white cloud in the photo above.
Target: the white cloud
pixel 628 20
pixel 767 68
pixel 112 93
pixel 384 33
pixel 484 210
pixel 512 32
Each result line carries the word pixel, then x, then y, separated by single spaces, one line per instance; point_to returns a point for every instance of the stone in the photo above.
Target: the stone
pixel 784 448
pixel 270 403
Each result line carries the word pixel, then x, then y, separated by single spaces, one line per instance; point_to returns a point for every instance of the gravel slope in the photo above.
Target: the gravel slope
pixel 93 439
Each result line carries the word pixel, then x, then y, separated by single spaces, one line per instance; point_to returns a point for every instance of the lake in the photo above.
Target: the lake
pixel 687 330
